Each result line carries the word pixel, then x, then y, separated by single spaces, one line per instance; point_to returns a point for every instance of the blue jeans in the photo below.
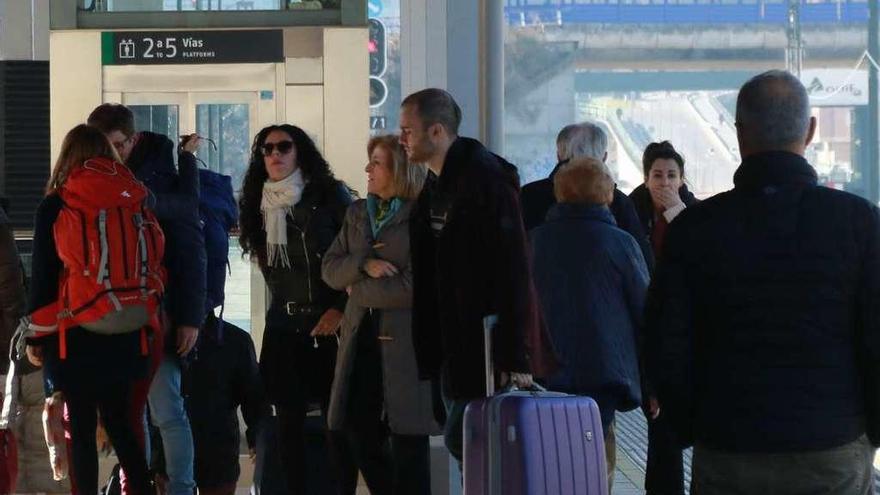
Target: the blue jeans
pixel 453 431
pixel 169 415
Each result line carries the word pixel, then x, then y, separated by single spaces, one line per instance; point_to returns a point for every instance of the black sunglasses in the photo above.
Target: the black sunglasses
pixel 283 147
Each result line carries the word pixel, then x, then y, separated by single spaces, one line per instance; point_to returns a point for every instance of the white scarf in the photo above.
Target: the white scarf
pixel 278 201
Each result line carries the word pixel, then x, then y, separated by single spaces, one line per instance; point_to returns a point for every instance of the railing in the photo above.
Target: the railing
pixel 561 12
pixel 203 5
pixel 620 131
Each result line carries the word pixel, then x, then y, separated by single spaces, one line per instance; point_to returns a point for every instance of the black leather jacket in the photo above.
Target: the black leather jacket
pixel 316 220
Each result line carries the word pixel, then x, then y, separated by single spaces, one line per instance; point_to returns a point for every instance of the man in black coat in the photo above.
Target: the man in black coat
pixel 764 319
pixel 469 258
pixel 583 140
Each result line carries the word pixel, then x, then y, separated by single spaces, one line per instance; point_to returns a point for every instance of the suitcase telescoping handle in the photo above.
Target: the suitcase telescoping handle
pixel 489 323
pixel 536 388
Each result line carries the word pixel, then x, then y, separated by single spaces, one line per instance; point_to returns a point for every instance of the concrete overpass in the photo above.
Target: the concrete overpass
pixel 699 46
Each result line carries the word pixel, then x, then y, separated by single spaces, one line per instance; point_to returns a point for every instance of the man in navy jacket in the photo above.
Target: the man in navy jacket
pixel 176 190
pixel 763 320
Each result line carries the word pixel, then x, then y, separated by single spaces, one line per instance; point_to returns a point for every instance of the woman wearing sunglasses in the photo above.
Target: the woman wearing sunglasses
pixel 291 210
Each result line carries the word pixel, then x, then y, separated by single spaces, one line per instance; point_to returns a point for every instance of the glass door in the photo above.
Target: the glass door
pixel 161 119
pixel 227 121
pixel 157 112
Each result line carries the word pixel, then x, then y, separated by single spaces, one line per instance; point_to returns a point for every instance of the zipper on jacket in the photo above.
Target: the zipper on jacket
pixel 302 236
pixel 308 265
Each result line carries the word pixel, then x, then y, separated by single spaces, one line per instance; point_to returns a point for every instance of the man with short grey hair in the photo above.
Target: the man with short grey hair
pixel 774 111
pixel 763 320
pixel 584 139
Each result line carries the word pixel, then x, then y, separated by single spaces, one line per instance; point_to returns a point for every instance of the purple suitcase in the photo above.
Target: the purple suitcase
pixel 533 443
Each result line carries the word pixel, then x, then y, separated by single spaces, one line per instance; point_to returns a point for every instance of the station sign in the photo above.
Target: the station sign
pixel 836 87
pixel 192 47
pixel 378 122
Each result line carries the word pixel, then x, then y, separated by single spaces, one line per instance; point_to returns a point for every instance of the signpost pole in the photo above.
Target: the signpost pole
pixel 492 90
pixel 794 52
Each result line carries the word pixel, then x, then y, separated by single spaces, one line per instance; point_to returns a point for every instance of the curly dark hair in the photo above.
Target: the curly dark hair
pixel 315 170
pixel 662 150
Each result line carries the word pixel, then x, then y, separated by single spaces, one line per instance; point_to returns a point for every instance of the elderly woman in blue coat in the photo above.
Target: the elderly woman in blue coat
pixel 591 279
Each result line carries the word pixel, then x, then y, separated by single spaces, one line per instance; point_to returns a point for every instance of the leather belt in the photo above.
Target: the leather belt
pixel 293 309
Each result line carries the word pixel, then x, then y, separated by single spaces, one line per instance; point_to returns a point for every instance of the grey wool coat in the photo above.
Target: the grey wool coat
pixel 408 400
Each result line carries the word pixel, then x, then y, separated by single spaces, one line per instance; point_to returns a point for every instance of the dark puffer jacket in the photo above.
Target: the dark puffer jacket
pixel 764 322
pixel 592 279
pixel 224 377
pixel 177 208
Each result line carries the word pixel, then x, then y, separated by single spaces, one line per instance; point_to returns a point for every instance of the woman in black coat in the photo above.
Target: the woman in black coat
pixel 291 210
pixel 658 201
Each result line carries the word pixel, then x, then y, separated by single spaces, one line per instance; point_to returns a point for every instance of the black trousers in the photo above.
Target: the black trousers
pixel 665 471
pixel 391 464
pixel 297 371
pixel 315 461
pixel 111 400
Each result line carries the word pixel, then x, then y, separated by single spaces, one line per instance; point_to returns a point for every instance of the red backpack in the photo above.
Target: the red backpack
pixel 112 248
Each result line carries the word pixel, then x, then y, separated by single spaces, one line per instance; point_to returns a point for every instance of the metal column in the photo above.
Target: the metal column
pixel 794 52
pixel 872 167
pixel 492 90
